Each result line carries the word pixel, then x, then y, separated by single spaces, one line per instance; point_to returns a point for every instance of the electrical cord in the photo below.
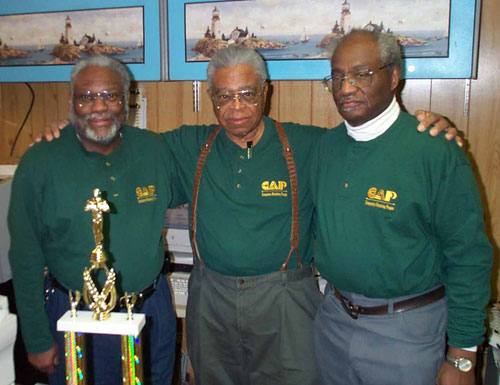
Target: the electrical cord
pixel 25 118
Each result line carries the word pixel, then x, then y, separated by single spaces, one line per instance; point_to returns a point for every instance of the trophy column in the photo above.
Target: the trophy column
pixel 75 323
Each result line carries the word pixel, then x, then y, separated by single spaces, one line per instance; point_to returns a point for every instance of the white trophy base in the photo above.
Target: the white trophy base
pixel 116 324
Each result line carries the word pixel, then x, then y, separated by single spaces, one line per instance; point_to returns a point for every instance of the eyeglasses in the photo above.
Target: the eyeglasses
pixel 89 98
pixel 361 79
pixel 247 97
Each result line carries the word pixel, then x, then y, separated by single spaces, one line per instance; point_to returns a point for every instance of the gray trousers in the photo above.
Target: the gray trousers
pixel 252 330
pixel 396 349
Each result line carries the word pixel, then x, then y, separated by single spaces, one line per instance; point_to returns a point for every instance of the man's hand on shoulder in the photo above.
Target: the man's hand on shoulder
pixel 46 361
pixel 51 131
pixel 449 375
pixel 429 118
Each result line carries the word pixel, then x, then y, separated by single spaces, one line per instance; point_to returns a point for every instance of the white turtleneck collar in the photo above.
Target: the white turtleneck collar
pixel 377 126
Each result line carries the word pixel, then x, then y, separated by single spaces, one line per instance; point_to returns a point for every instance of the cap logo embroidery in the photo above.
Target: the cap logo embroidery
pixel 274 188
pixel 146 194
pixel 380 198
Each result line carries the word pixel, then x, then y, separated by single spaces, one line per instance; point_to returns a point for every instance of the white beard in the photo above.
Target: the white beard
pixel 84 130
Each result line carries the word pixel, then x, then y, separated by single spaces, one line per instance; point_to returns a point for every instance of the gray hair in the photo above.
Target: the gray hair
pixel 106 62
pixel 390 50
pixel 234 55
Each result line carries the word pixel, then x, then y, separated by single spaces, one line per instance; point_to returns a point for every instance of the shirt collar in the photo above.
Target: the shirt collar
pixel 377 126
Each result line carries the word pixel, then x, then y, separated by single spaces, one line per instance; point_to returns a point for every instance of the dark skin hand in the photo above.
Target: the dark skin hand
pixel 448 375
pixel 440 123
pixel 46 361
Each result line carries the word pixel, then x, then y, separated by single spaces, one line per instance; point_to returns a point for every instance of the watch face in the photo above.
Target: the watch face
pixel 464 364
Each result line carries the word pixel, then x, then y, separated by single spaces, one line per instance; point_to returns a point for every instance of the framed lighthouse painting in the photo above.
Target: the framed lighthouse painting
pixel 41 41
pixel 296 38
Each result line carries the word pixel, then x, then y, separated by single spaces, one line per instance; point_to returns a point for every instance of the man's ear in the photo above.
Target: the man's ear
pixel 395 74
pixel 265 90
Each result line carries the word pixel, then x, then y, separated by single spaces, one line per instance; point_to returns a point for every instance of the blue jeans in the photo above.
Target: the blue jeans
pixel 104 365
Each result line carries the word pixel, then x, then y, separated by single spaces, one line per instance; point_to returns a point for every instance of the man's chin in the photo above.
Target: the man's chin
pixel 103 140
pixel 353 117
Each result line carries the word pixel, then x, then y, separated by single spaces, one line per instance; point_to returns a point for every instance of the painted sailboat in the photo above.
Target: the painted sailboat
pixel 304 38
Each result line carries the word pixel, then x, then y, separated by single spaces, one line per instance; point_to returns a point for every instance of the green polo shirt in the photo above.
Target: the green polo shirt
pixel 49 226
pixel 400 214
pixel 245 204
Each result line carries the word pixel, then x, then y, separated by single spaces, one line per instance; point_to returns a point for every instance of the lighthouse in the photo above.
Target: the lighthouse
pixel 345 17
pixel 215 24
pixel 68 30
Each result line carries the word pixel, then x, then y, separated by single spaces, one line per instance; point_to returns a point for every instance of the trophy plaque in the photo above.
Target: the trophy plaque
pixel 99 319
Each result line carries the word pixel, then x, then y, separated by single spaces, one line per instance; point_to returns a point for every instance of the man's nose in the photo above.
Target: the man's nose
pixel 348 86
pixel 236 102
pixel 99 104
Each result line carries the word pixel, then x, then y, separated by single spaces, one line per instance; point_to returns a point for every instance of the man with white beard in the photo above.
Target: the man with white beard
pixel 49 227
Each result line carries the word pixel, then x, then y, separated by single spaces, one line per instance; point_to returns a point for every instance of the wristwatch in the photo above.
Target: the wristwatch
pixel 462 364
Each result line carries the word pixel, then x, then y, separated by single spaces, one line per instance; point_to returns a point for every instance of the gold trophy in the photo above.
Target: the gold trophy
pixel 75 323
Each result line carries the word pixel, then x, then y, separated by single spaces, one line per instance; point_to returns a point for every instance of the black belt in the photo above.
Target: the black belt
pixel 398 307
pixel 141 296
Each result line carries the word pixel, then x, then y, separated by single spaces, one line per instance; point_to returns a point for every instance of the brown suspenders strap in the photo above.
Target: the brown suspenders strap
pixel 292 172
pixel 288 154
pixel 196 188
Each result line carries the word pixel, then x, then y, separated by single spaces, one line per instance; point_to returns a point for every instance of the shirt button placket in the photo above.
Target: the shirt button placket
pixel 239 171
pixel 347 173
pixel 111 178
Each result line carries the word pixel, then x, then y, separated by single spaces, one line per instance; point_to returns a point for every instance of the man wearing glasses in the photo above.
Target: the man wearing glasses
pixel 49 227
pixel 400 236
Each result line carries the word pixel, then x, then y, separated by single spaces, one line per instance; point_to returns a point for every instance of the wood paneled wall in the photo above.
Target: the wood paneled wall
pixel 170 105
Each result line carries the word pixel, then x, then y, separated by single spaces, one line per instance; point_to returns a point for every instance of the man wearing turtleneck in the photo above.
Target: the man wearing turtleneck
pixel 400 236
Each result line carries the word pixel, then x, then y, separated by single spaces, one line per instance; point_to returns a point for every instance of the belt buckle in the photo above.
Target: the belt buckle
pixel 349 308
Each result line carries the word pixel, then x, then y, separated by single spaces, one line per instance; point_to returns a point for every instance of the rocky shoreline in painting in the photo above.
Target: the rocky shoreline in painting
pixel 11 52
pixel 70 52
pixel 207 47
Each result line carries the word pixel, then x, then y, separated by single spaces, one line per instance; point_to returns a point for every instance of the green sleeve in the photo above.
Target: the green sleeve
pixel 171 141
pixel 184 144
pixel 466 253
pixel 171 167
pixel 27 258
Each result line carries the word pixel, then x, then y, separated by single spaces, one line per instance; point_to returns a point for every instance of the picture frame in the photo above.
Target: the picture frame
pixel 460 60
pixel 143 61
